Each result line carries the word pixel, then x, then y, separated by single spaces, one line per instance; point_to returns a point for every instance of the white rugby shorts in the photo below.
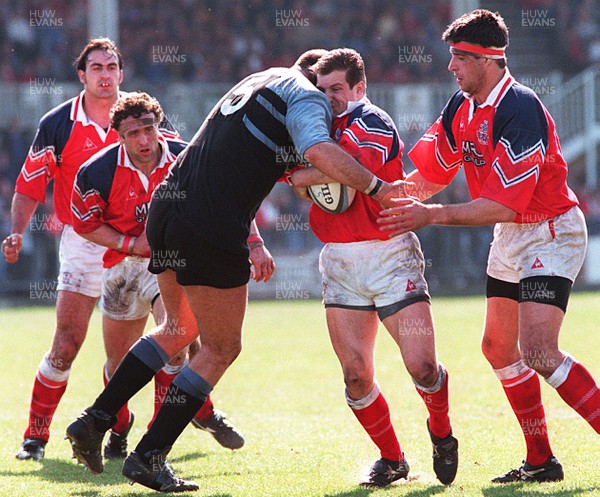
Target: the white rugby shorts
pixel 554 247
pixel 128 290
pixel 80 264
pixel 374 273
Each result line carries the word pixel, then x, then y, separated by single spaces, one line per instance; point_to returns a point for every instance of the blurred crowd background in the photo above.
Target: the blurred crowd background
pixel 223 41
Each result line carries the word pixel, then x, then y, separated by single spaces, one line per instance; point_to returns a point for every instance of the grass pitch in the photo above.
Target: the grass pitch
pixel 285 393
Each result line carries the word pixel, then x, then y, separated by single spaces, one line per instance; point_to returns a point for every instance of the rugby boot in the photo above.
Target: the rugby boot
pixel 221 429
pixel 551 470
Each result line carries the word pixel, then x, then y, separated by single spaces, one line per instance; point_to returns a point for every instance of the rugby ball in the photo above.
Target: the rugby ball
pixel 333 198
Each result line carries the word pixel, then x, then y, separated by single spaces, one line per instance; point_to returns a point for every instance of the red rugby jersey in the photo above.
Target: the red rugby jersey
pixel 368 134
pixel 65 139
pixel 110 190
pixel 508 146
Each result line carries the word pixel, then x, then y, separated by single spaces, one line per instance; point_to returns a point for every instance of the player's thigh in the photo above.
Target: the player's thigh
pixel 179 327
pixel 119 336
pixel 352 333
pixel 219 313
pixel 539 327
pixel 413 330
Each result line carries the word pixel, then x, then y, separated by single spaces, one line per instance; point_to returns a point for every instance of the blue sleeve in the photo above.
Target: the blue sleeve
pixel 308 120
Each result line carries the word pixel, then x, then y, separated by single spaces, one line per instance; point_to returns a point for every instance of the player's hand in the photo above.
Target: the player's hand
pixel 141 246
pixel 302 192
pixel 263 265
pixel 11 246
pixel 405 214
pixel 390 192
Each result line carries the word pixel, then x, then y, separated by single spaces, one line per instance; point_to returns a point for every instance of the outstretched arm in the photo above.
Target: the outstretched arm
pixel 410 214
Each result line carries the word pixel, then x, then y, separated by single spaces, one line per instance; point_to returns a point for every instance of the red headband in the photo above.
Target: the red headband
pixel 491 52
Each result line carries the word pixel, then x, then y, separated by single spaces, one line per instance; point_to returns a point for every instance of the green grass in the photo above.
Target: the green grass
pixel 285 393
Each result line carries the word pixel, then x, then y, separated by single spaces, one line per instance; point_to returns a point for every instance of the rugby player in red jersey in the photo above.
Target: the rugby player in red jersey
pixel 503 136
pixel 67 136
pixel 369 277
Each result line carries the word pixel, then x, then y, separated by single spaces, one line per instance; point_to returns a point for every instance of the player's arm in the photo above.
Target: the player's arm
pixel 418 187
pixel 21 210
pixel 340 166
pixel 107 236
pixel 410 214
pixel 308 121
pixel 309 176
pixel 261 259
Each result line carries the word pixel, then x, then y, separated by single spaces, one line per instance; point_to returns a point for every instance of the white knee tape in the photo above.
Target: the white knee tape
pixel 561 372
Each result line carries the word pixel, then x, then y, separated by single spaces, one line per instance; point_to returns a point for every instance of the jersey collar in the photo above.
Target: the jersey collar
pixel 352 106
pixel 497 93
pixel 78 115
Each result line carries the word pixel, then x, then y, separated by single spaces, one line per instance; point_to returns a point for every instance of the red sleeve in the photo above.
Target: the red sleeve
pixel 39 166
pixel 435 157
pixel 87 205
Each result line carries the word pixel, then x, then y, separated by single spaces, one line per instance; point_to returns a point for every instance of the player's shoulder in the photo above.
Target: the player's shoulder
pixel 520 108
pixel 102 162
pixel 291 85
pixel 98 172
pixel 454 103
pixel 57 116
pixel 519 99
pixel 371 117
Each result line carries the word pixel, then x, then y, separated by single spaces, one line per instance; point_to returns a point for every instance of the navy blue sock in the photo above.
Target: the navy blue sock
pixel 185 396
pixel 136 370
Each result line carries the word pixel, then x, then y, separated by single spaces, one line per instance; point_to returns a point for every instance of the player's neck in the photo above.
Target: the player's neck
pixel 98 109
pixel 491 81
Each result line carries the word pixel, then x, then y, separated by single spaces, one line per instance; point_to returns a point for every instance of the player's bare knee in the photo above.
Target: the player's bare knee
pixel 543 360
pixel 425 373
pixel 490 349
pixel 65 348
pixel 225 353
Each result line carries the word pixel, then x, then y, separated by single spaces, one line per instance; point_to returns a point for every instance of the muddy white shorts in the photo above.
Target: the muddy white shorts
pixel 554 247
pixel 80 264
pixel 382 275
pixel 128 290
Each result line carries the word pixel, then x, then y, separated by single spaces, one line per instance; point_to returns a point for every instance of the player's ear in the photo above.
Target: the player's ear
pixel 81 75
pixel 121 76
pixel 361 88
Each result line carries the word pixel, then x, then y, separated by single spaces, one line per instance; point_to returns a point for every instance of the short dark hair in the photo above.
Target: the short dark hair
pixel 134 104
pixel 308 59
pixel 104 44
pixel 481 26
pixel 343 59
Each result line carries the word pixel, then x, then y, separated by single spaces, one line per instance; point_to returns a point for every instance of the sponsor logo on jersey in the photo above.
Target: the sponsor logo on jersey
pixel 410 286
